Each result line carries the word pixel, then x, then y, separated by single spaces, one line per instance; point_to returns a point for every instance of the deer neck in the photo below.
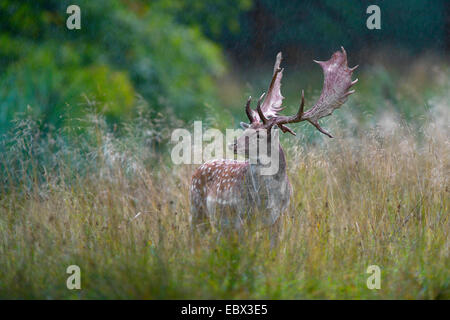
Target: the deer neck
pixel 270 192
pixel 257 169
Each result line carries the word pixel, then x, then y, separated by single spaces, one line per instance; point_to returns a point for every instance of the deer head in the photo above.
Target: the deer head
pixel 337 82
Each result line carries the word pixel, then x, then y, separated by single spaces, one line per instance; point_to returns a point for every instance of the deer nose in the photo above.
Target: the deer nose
pixel 232 146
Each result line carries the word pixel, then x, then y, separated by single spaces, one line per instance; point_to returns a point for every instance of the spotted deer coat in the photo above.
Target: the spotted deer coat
pixel 228 192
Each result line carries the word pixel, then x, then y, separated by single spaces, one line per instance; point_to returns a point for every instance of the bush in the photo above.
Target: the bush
pixel 121 51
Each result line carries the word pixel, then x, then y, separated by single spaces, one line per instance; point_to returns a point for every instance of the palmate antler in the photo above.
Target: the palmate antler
pixel 336 85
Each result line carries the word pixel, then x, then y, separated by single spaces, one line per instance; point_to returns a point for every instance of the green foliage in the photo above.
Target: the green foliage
pixel 40 82
pixel 215 18
pixel 309 25
pixel 121 51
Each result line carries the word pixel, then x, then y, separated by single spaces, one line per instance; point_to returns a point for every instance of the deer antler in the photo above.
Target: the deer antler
pixel 249 111
pixel 271 105
pixel 336 85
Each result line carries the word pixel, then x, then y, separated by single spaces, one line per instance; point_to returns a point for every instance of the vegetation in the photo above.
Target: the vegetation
pixel 113 206
pixel 125 51
pixel 86 177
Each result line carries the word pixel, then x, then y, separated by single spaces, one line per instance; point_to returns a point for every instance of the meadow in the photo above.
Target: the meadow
pixel 113 204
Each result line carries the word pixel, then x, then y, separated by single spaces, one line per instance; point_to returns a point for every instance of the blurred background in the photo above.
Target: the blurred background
pixel 185 60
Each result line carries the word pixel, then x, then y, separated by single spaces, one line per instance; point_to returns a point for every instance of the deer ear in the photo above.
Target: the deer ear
pixel 244 125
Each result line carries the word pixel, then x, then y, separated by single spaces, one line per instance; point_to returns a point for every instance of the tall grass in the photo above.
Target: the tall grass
pixel 119 210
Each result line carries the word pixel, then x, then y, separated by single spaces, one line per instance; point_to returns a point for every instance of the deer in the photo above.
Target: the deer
pixel 227 192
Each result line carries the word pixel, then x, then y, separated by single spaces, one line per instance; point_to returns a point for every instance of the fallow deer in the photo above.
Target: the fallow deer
pixel 228 193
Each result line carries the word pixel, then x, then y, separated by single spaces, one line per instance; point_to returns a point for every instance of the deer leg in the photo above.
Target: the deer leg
pixel 199 224
pixel 274 233
pixel 192 233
